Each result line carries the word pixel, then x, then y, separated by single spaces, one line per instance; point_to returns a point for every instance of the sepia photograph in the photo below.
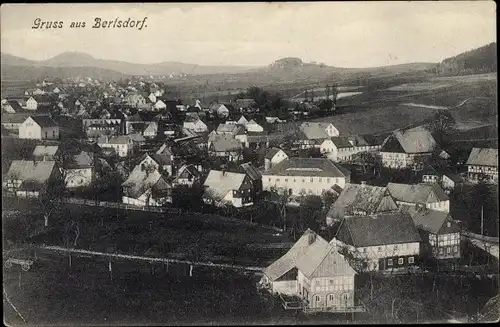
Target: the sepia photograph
pixel 249 163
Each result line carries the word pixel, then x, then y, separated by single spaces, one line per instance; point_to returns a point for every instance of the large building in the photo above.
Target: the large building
pixel 383 241
pixel 305 176
pixel 39 128
pixel 483 163
pixel 222 187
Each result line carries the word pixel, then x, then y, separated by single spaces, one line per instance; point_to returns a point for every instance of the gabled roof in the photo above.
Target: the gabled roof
pixel 29 170
pixel 15 118
pixel 323 260
pixel 417 193
pixel 483 157
pixel 44 121
pixel 272 152
pixel 320 167
pixel 140 181
pixel 314 131
pixel 160 159
pixel 45 150
pixel 366 198
pixel 228 128
pixel 225 143
pixel 219 183
pixel 15 105
pixel 345 141
pixel 415 140
pixel 289 260
pixel 242 121
pixel 251 171
pixel 378 229
pixel 430 220
pixel 81 160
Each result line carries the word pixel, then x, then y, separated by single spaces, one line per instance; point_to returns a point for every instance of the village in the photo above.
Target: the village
pixel 129 146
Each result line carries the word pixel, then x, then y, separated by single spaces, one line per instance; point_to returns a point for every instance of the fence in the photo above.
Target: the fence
pixel 118 205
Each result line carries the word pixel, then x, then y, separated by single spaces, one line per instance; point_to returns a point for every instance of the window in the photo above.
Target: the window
pixel 364 250
pixel 286 180
pixel 317 283
pixel 455 249
pixel 328 180
pixel 395 247
pixel 448 224
pixel 294 180
pixel 331 281
pixel 379 249
pixel 303 180
pixel 411 260
pixel 330 297
pixel 441 251
pixel 400 261
pixel 389 262
pixel 311 180
pixel 269 178
pixel 318 299
pixel 448 250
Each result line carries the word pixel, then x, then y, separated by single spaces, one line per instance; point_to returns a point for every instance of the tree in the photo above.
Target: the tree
pixel 442 126
pixel 366 160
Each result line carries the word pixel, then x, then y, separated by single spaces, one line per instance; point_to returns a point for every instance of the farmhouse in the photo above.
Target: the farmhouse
pixel 12 122
pixel 188 175
pixel 440 233
pixel 444 177
pixel 483 163
pixel 404 149
pixel 360 200
pixel 430 195
pixel 135 100
pixel 380 241
pixel 313 134
pixel 162 162
pixel 225 146
pixel 196 125
pixel 122 144
pixel 252 126
pixel 151 130
pixel 79 170
pixel 302 176
pixel 315 272
pixel 29 178
pixel 223 187
pixel 39 128
pixel 146 187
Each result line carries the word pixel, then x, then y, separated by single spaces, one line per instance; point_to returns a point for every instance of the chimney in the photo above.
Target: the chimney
pixel 311 237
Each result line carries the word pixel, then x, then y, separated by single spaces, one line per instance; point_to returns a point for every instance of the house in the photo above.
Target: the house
pixel 274 156
pixel 222 187
pixel 312 135
pixel 45 152
pixel 39 128
pixel 12 122
pixel 122 144
pixel 21 100
pixel 360 200
pixel 383 241
pixel 439 232
pixel 29 178
pixel 31 104
pixel 188 175
pixel 404 149
pixel 135 100
pixel 160 105
pixel 79 170
pixel 342 148
pixel 230 129
pixel 242 121
pixel 252 126
pixel 114 125
pixel 444 177
pixel 255 176
pixel 225 146
pixel 302 176
pixel 219 109
pixel 151 130
pixel 152 98
pixel 146 187
pixel 316 273
pixel 163 162
pixel 196 125
pixel 430 195
pixel 482 162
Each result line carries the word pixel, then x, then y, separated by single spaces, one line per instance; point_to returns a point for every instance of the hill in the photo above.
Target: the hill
pixel 78 59
pixel 26 73
pixel 476 61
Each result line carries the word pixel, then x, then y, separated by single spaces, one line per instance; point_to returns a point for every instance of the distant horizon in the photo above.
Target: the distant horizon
pixel 236 65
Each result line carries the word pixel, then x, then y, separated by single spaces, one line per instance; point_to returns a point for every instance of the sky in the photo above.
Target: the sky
pixel 349 34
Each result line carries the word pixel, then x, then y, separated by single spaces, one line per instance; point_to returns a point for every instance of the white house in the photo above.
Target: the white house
pixel 383 241
pixel 31 104
pixel 342 148
pixel 78 172
pixel 195 125
pixel 160 105
pixel 303 176
pixel 152 97
pixel 29 178
pixel 151 130
pixel 252 126
pixel 39 128
pixel 223 187
pixel 274 156
pixel 316 274
pixel 430 195
pixel 188 175
pixel 122 144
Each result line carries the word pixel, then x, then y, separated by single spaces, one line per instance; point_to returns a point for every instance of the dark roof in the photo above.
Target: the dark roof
pixel 320 167
pixel 15 105
pixel 483 157
pixel 378 229
pixel 44 121
pixel 251 171
pixel 432 221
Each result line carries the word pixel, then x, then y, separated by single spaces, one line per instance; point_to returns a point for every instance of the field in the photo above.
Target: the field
pixel 414 87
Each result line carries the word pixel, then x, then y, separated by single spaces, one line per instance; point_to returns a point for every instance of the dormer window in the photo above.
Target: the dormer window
pixel 448 224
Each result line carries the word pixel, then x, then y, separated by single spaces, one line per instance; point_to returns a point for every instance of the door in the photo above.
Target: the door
pixel 332 300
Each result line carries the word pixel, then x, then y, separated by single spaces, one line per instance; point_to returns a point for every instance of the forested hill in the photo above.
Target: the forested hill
pixel 480 60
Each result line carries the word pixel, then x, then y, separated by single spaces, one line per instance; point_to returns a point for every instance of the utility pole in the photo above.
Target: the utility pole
pixel 482 220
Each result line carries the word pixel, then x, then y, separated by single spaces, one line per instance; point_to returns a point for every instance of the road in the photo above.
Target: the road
pixel 488 244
